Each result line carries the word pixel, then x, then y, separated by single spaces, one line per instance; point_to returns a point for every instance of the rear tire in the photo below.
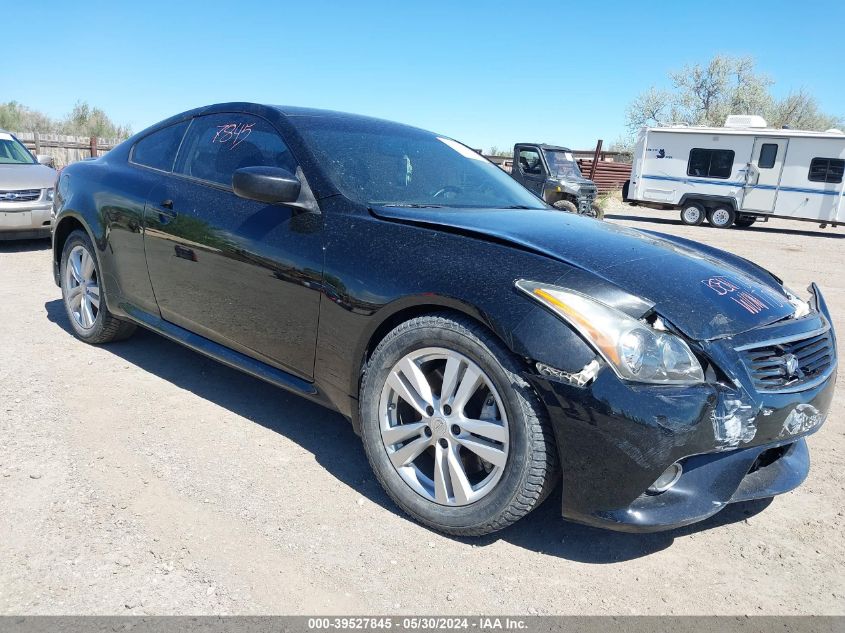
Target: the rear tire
pixel 84 296
pixel 721 217
pixel 566 205
pixel 692 214
pixel 523 467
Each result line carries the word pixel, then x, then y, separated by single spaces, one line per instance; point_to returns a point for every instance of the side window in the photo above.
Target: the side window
pixel 710 163
pixel 218 144
pixel 529 162
pixel 768 155
pixel 826 170
pixel 158 150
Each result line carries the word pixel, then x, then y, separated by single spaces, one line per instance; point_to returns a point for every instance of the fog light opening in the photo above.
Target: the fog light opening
pixel 668 479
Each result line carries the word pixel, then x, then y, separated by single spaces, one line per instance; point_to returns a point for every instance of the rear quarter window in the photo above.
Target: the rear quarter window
pixel 158 150
pixel 217 145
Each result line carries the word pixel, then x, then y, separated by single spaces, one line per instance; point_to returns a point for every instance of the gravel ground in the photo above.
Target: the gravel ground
pixel 141 478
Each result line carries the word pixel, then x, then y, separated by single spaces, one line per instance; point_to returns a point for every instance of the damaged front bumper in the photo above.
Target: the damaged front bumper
pixel 734 440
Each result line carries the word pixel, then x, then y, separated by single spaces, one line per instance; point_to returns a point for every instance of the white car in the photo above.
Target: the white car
pixel 26 191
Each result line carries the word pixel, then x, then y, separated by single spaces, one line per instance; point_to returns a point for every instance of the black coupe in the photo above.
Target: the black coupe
pixel 484 345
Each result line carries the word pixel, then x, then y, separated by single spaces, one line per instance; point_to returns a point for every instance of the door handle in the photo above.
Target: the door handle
pixel 165 211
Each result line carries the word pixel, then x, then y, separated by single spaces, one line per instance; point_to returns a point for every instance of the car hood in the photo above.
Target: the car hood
pixel 704 292
pixel 26 177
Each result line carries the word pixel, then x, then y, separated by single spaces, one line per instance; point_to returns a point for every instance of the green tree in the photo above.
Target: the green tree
pixel 16 117
pixel 495 151
pixel 83 120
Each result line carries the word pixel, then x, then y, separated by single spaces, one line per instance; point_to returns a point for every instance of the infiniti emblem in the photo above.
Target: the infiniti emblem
pixel 438 426
pixel 791 365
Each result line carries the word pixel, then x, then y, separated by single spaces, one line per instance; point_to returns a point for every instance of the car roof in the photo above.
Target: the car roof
pixel 293 112
pixel 557 148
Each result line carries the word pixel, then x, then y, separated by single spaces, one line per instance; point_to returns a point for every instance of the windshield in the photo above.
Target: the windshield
pixel 380 163
pixel 12 152
pixel 562 164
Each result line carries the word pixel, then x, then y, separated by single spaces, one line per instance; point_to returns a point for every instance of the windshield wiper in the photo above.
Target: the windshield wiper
pixel 518 206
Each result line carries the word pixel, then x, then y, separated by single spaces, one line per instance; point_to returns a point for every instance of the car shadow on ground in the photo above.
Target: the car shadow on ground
pixel 24 246
pixel 761 228
pixel 328 436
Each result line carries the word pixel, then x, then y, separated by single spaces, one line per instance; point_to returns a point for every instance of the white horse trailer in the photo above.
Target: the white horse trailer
pixel 740 173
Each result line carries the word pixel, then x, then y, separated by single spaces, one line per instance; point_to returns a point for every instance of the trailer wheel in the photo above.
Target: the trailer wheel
pixel 692 214
pixel 744 221
pixel 721 217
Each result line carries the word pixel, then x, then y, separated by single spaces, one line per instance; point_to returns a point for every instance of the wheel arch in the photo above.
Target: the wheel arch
pixel 406 309
pixel 66 225
pixel 534 336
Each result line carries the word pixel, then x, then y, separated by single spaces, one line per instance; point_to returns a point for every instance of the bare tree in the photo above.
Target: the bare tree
pixel 707 94
pixel 801 111
pixel 652 107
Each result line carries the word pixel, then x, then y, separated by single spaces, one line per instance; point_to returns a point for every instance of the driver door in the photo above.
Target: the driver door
pixel 531 169
pixel 242 273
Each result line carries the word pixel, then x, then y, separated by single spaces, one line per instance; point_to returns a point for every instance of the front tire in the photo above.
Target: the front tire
pixel 566 205
pixel 83 294
pixel 692 214
pixel 454 434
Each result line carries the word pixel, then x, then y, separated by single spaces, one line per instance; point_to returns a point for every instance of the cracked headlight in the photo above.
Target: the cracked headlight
pixel 802 308
pixel 634 350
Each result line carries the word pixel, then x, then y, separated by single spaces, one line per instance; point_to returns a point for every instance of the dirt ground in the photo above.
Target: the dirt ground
pixel 142 478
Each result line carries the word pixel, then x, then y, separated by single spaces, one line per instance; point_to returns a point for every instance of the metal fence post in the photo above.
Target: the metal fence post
pixel 595 160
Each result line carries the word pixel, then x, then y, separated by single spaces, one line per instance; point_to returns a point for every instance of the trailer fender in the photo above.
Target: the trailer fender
pixel 708 200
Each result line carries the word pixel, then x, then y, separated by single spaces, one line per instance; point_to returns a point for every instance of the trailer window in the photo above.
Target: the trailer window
pixel 768 155
pixel 710 163
pixel 826 170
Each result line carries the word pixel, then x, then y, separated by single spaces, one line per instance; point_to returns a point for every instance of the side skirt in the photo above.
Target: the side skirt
pixel 225 355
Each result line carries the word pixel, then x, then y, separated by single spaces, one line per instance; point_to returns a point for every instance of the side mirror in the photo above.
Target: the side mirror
pixel 44 159
pixel 266 184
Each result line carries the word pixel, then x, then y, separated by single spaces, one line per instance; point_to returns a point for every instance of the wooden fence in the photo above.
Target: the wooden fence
pixel 66 149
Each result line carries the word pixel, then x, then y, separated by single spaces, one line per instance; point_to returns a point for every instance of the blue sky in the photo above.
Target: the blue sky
pixel 486 73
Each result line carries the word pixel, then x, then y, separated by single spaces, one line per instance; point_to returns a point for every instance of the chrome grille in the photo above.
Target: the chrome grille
pixel 788 365
pixel 20 195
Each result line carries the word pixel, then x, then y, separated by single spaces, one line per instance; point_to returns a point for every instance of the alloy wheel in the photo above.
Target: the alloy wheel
pixel 82 289
pixel 444 426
